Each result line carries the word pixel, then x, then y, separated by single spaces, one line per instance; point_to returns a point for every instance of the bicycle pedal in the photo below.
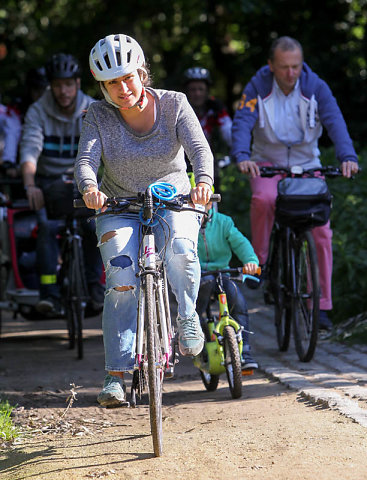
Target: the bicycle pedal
pixel 246 373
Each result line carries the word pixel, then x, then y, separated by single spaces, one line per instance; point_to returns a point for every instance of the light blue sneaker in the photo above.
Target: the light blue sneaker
pixel 190 336
pixel 113 393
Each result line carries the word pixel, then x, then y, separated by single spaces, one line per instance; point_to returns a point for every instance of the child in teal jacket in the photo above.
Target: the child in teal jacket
pixel 219 238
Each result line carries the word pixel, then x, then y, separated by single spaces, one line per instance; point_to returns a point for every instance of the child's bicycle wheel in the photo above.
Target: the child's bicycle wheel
pixel 232 361
pixel 210 381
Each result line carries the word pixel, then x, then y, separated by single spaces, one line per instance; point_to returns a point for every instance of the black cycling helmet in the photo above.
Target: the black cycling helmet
pixel 62 65
pixel 197 73
pixel 37 78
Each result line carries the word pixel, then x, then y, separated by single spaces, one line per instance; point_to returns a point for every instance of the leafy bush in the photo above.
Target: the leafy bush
pixel 349 231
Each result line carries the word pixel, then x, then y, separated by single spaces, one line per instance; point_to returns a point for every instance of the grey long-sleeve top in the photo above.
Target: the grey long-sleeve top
pixel 132 160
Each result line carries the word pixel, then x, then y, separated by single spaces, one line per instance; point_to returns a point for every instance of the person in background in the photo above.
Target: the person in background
pixel 213 116
pixel 48 149
pixel 283 109
pixel 218 239
pixel 10 132
pixel 36 83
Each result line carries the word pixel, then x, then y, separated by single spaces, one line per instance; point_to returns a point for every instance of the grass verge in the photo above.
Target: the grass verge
pixel 8 431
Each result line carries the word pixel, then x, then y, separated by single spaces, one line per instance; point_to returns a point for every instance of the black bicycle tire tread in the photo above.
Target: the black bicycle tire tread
pixel 229 338
pixel 281 312
pixel 155 396
pixel 66 274
pixel 212 385
pixel 79 292
pixel 305 355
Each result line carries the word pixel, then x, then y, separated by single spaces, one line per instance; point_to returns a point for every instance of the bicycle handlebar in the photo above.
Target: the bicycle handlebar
pixel 235 270
pixel 330 171
pixel 124 202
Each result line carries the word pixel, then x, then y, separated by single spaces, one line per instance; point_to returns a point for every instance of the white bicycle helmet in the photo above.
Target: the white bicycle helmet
pixel 115 56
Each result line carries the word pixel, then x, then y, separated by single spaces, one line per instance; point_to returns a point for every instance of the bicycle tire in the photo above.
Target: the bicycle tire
pixel 80 295
pixel 278 279
pixel 232 361
pixel 210 381
pixel 306 301
pixel 155 374
pixel 74 284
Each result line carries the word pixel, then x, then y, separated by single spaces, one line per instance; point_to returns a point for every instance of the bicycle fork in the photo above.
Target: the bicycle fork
pixel 149 267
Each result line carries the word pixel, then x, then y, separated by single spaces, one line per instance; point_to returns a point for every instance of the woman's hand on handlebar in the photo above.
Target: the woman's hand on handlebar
pixel 201 193
pixel 250 269
pixel 349 168
pixel 95 199
pixel 249 168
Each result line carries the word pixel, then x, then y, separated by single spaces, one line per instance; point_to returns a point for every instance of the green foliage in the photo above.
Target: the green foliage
pixel 7 430
pixel 230 38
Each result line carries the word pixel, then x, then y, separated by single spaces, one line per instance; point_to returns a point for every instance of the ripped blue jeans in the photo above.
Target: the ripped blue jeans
pixel 120 254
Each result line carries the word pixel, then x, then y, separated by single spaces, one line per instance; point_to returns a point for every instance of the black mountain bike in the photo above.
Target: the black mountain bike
pixel 292 284
pixel 72 281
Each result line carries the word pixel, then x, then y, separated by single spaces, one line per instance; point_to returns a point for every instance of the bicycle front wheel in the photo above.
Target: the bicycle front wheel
pixel 306 301
pixel 279 280
pixel 210 381
pixel 155 366
pixel 232 361
pixel 76 297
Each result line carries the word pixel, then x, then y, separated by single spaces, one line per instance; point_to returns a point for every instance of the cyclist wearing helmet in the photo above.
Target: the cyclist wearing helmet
pixel 139 134
pixel 48 149
pixel 214 118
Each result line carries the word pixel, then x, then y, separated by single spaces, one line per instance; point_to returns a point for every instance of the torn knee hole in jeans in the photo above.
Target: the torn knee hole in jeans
pixel 122 261
pixel 124 288
pixel 107 236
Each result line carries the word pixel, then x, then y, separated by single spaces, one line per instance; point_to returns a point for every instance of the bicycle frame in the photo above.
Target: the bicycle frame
pixel 215 364
pixel 151 265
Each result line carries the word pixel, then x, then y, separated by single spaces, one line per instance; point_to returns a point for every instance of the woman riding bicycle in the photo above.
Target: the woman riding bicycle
pixel 140 134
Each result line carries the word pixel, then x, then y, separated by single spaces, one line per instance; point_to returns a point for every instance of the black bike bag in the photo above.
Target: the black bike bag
pixel 303 202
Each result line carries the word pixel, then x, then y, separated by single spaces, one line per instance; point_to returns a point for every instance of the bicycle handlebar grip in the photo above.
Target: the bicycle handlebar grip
pixel 78 203
pixel 216 197
pixel 258 271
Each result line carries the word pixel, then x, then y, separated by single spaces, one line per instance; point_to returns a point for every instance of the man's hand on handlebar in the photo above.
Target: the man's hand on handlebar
pixel 35 197
pixel 95 199
pixel 249 168
pixel 349 168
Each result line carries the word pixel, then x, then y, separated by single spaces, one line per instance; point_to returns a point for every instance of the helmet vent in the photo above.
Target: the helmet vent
pixel 107 60
pixel 128 56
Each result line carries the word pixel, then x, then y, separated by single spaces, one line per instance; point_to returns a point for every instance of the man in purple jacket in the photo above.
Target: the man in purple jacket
pixel 283 110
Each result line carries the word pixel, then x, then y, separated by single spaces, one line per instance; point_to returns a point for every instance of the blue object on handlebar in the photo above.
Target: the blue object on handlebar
pixel 245 276
pixel 163 190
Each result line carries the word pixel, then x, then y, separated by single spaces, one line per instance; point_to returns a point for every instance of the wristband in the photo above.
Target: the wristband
pixel 87 187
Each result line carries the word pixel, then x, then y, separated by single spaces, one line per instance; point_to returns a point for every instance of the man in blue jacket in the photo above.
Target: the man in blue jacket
pixel 283 110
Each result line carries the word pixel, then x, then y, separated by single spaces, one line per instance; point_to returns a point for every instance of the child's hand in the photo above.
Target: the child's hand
pixel 250 268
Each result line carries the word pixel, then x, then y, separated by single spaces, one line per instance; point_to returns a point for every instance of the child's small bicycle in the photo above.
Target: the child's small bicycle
pixel 223 340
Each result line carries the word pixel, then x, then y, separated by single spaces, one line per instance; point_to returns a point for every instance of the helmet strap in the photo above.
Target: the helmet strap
pixel 140 103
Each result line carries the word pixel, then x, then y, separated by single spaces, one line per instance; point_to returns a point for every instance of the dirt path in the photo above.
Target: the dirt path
pixel 272 432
